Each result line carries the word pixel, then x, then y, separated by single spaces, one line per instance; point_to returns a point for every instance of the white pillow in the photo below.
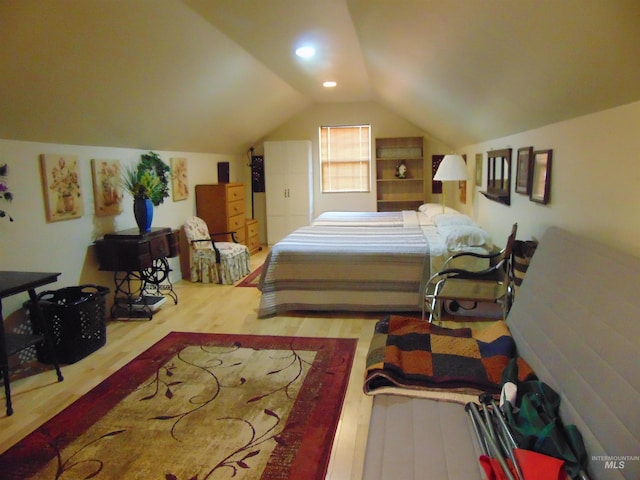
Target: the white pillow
pixel 449 219
pixel 459 237
pixel 432 209
pixel 424 219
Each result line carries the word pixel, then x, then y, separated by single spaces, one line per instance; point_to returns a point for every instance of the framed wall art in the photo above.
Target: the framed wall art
pixel 541 176
pixel 436 185
pixel 499 176
pixel 478 169
pixel 462 186
pixel 107 192
pixel 61 186
pixel 523 175
pixel 179 179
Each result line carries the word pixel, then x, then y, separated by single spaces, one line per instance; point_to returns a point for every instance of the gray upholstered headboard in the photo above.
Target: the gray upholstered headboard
pixel 576 321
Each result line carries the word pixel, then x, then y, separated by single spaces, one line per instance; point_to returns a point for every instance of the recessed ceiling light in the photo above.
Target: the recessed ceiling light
pixel 306 52
pixel 329 84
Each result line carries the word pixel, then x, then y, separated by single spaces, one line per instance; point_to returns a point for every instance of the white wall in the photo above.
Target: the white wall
pixel 595 180
pixel 31 244
pixel 384 123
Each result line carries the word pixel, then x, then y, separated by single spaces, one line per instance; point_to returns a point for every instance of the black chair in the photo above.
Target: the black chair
pixel 492 284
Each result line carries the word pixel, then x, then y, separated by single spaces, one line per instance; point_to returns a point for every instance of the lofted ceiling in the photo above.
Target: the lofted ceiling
pixel 218 75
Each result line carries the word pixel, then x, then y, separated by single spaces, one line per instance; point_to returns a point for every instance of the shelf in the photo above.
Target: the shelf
pixel 405 200
pixel 399 180
pixel 498 197
pixel 399 193
pixel 398 159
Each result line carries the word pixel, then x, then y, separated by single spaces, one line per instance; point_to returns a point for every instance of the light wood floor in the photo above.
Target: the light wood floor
pixel 201 308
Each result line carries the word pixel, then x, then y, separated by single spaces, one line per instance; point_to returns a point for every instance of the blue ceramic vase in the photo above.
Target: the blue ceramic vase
pixel 143 211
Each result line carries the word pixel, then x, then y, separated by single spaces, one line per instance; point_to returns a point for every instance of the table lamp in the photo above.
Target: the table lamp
pixel 451 168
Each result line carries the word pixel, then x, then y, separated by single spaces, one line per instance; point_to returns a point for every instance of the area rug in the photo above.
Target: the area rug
pixel 200 406
pixel 252 279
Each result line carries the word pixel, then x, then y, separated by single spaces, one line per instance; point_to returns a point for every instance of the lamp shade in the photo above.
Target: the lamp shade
pixel 452 167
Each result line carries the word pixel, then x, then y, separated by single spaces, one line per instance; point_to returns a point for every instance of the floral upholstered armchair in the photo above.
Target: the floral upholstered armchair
pixel 211 261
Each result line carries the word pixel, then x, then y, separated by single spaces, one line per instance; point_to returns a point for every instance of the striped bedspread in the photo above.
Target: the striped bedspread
pixel 407 218
pixel 345 268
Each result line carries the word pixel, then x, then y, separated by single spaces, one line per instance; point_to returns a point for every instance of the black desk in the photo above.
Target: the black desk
pixel 139 261
pixel 12 283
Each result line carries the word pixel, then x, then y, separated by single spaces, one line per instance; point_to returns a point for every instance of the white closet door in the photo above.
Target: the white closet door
pixel 287 168
pixel 299 173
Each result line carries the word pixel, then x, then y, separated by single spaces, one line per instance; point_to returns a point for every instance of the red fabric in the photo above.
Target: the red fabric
pixel 534 466
pixel 537 466
pixel 492 468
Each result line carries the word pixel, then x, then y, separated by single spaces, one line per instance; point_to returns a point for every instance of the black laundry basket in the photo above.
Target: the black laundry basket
pixel 76 318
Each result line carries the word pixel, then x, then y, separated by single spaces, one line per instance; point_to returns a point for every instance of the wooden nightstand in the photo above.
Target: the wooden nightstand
pixel 252 235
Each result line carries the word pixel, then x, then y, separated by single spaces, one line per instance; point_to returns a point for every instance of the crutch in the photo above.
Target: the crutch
pixel 493 447
pixel 504 433
pixel 476 429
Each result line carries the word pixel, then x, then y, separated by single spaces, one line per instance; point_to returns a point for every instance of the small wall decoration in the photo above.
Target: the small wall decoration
pixel 541 176
pixel 223 172
pixel 179 179
pixel 5 193
pixel 436 185
pixel 257 173
pixel 462 186
pixel 107 192
pixel 523 175
pixel 499 176
pixel 479 169
pixel 61 185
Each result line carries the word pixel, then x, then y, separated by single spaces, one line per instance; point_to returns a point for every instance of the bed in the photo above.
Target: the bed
pixel 354 261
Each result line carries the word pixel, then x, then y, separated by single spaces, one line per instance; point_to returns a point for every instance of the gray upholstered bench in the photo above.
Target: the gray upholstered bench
pixel 576 321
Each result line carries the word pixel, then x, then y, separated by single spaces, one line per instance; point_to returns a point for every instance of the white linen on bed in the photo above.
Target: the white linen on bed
pixel 405 218
pixel 449 219
pixel 459 238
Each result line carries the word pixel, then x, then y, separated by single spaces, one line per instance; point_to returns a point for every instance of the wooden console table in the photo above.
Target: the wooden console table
pixel 12 283
pixel 139 261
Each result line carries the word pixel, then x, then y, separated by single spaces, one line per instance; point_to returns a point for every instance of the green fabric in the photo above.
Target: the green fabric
pixel 536 423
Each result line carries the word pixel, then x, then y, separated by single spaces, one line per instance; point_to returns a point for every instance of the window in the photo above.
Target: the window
pixel 345 158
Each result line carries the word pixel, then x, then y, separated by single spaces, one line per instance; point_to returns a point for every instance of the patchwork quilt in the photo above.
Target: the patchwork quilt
pixel 409 353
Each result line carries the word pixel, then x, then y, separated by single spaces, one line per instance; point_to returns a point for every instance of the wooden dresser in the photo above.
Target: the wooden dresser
pixel 221 206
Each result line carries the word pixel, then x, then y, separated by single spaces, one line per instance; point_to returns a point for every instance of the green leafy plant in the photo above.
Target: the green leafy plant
pixel 149 178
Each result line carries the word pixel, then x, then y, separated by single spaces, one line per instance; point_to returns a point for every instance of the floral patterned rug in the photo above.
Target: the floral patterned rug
pixel 200 406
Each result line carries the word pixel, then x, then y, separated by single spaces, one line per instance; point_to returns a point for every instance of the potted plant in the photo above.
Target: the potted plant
pixel 148 184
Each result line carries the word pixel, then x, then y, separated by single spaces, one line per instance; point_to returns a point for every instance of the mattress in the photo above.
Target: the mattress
pixel 420 439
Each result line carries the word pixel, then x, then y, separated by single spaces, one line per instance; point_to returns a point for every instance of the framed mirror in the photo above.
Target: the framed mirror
pixel 499 176
pixel 541 181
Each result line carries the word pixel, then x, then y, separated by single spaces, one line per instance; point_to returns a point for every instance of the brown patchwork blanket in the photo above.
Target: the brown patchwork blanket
pixel 409 353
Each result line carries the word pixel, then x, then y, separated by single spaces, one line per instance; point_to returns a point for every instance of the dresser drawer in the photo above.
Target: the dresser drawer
pixel 253 243
pixel 252 228
pixel 235 192
pixel 235 208
pixel 236 224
